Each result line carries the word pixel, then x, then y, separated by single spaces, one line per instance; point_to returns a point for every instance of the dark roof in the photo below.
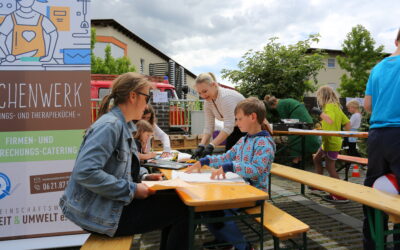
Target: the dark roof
pixel 133 36
pixel 329 51
pixel 336 51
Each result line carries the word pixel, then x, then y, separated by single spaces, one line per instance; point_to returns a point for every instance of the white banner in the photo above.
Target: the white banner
pixel 44 109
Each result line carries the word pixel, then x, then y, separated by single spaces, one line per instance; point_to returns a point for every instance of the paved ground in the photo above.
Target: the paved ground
pixel 333 226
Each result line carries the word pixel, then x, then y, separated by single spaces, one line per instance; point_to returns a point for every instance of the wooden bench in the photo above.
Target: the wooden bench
pixel 378 200
pixel 281 225
pixel 98 242
pixel 348 160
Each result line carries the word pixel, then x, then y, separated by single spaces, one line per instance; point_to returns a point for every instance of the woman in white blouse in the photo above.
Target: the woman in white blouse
pixel 149 115
pixel 219 104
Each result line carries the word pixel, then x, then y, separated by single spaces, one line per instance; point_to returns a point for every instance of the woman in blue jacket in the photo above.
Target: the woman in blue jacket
pixel 105 194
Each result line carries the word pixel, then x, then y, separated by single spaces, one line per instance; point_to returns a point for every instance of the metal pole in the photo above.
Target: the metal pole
pixel 303 158
pixel 379 234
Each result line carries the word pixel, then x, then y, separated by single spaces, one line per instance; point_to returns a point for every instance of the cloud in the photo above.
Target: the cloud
pixel 209 35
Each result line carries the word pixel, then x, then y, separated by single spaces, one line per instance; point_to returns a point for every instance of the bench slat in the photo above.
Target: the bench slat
pixel 353 159
pixel 278 222
pixel 96 242
pixel 386 202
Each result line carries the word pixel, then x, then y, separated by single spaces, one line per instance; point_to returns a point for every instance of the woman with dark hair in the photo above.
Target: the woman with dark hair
pixel 292 109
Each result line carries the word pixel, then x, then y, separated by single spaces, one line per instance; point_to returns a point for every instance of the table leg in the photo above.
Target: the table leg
pixel 305 240
pixel 262 226
pixel 303 158
pixel 269 186
pixel 191 228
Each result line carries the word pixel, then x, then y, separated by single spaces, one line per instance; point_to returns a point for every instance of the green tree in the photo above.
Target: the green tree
pixel 283 71
pixel 108 65
pixel 360 57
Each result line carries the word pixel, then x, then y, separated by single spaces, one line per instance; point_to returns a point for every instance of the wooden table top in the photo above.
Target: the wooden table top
pixel 184 148
pixel 217 196
pixel 390 203
pixel 322 133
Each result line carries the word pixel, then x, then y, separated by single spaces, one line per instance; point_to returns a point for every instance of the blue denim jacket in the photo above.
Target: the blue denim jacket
pixel 101 183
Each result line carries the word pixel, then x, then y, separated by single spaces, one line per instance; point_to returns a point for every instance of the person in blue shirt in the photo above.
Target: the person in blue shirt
pixel 104 194
pixel 381 99
pixel 251 157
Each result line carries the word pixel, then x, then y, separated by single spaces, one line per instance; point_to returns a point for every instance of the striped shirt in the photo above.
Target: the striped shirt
pixel 223 109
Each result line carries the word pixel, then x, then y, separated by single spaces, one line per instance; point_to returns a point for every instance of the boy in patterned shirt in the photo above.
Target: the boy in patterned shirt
pixel 251 157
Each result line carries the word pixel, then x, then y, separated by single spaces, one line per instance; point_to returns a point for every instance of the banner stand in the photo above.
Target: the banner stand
pixel 76 240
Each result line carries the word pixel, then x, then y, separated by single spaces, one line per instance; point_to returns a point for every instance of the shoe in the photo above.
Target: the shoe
pixel 316 191
pixel 334 198
pixel 210 245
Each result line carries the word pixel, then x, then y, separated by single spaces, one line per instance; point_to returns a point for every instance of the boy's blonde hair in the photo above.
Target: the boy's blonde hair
pixel 353 103
pixel 252 105
pixel 325 95
pixel 141 127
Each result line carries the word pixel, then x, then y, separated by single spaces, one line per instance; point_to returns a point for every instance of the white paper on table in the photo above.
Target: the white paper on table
pixel 183 156
pixel 206 177
pixel 180 155
pixel 167 184
pixel 324 131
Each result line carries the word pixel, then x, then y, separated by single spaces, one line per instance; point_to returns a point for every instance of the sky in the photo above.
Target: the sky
pixel 211 35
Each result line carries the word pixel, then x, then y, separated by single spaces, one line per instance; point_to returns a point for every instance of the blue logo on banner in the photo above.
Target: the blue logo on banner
pixel 5 185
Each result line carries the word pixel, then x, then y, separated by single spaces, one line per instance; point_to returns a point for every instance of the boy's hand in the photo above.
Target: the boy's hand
pixel 194 168
pixel 216 174
pixel 154 177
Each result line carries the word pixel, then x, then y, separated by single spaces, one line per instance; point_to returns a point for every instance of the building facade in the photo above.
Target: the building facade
pixel 332 72
pixel 147 59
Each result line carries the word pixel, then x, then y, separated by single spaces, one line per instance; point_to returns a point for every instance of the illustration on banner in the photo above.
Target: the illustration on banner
pixel 44 35
pixel 5 186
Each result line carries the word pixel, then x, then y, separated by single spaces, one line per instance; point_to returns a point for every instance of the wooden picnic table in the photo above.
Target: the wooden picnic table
pixel 322 133
pixel 218 196
pixel 303 132
pixel 379 200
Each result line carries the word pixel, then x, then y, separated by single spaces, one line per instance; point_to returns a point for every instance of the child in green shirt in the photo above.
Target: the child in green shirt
pixel 333 119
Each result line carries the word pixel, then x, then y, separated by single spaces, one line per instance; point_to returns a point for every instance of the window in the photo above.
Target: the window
pixel 142 66
pixel 331 62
